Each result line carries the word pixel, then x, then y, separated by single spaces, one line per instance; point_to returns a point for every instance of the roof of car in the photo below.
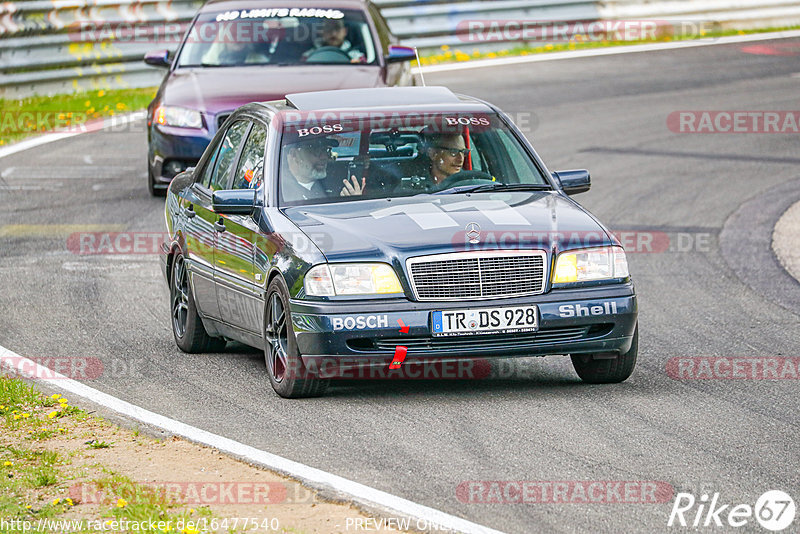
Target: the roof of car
pixel 383 97
pixel 218 5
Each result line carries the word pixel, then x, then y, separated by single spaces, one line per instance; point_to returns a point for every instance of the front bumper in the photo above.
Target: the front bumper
pixel 170 144
pixel 600 319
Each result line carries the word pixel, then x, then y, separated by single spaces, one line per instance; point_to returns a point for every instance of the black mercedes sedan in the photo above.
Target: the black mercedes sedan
pixel 352 230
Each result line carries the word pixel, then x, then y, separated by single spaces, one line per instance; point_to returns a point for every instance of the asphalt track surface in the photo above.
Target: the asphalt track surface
pixel 421 439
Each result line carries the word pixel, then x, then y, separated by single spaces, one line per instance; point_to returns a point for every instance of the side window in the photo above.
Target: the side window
pixel 226 154
pixel 250 172
pixel 205 178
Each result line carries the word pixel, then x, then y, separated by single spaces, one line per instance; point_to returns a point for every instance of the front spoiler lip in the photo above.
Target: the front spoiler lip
pixel 321 336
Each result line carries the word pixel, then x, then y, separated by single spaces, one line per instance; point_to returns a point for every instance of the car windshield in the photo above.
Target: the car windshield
pixel 279 36
pixel 400 155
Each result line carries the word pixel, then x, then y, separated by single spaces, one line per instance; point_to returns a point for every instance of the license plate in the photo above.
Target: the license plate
pixel 485 321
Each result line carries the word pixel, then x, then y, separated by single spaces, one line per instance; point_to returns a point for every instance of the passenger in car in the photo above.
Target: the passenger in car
pixel 227 50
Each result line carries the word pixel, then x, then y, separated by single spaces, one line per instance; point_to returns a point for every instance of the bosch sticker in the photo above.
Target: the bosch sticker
pixel 359 322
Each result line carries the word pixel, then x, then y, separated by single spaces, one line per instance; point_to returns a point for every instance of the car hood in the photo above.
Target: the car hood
pixel 399 228
pixel 216 89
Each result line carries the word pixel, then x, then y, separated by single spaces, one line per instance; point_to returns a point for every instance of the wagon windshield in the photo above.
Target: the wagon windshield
pixel 280 37
pixel 337 157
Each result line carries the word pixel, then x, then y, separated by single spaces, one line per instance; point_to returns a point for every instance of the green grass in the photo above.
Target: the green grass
pixel 28 470
pixel 99 445
pixel 37 114
pixel 458 54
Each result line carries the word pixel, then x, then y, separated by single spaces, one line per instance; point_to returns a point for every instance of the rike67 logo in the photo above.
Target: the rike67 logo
pixel 774 510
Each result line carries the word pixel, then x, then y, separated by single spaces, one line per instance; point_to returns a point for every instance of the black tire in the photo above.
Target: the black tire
pixel 187 327
pixel 606 368
pixel 287 374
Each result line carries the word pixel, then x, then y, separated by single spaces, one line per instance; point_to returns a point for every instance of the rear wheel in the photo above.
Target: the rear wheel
pixel 607 368
pixel 287 374
pixel 187 327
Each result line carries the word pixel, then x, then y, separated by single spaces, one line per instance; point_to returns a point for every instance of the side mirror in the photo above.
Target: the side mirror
pixel 158 58
pixel 399 54
pixel 574 182
pixel 234 201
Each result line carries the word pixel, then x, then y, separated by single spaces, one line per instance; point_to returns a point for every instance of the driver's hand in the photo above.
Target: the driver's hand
pixel 352 188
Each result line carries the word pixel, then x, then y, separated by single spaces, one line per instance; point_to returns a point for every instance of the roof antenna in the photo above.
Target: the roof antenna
pixel 419 67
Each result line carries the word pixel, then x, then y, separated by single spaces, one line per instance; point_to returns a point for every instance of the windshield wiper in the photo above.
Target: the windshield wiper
pixel 495 186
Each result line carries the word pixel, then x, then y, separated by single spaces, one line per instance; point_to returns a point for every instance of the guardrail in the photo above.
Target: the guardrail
pixel 44 51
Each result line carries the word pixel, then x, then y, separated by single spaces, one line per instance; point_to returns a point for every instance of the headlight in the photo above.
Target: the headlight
pixel 591 264
pixel 351 279
pixel 181 117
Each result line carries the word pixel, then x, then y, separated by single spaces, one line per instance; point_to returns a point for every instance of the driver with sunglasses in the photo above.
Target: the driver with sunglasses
pixel 447 153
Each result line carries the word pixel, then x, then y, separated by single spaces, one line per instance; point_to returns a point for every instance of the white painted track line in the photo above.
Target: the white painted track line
pixel 370 498
pixel 610 51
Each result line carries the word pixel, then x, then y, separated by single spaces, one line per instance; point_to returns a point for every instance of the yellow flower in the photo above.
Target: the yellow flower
pixel 69 502
pixel 26 415
pixel 7 463
pixel 28 507
pixel 56 395
pixel 52 414
pixel 16 417
pixel 122 503
pixel 445 48
pixel 101 93
pixel 90 110
pixel 120 105
pixel 87 103
pixel 2 407
pixel 56 501
pixel 189 530
pixel 63 400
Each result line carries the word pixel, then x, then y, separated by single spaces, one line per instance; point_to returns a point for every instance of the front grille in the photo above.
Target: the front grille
pixel 490 341
pixel 471 275
pixel 221 118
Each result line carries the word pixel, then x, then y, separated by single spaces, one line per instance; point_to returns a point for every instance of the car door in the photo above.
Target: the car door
pixel 203 223
pixel 238 280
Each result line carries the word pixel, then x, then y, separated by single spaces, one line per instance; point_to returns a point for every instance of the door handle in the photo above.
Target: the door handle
pixel 189 211
pixel 219 226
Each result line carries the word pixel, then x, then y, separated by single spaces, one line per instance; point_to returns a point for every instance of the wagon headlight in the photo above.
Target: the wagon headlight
pixel 590 264
pixel 351 279
pixel 177 116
